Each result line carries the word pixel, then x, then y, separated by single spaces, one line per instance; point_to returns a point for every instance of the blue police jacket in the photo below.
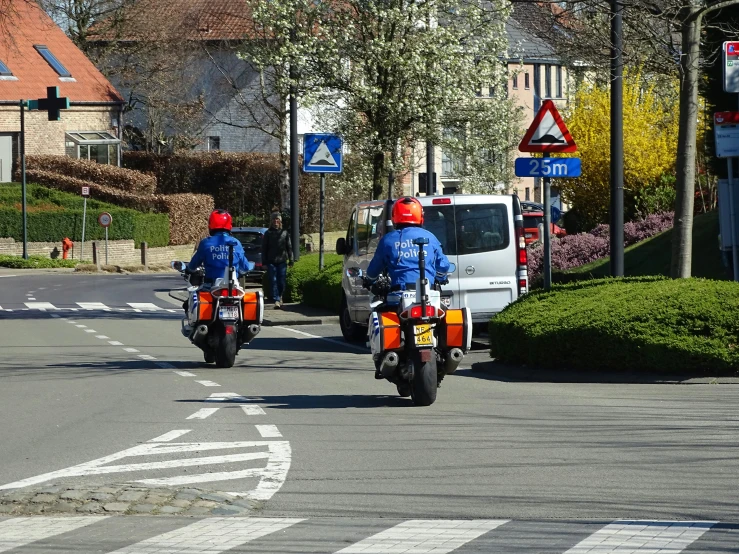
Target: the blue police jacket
pixel 213 254
pixel 397 253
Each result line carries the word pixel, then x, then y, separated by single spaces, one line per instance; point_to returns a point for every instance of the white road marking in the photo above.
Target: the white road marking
pixel 30 298
pixel 268 431
pixel 208 383
pixel 115 343
pixel 129 349
pixel 180 373
pixel 166 437
pixel 93 306
pixel 253 409
pixel 21 531
pixel 210 536
pixel 665 537
pixel 70 321
pixel 90 331
pixel 81 326
pixel 424 536
pixel 102 337
pixel 362 349
pixel 222 396
pixel 272 476
pixel 202 413
pixel 41 305
pixel 1 276
pixel 146 357
pixel 143 306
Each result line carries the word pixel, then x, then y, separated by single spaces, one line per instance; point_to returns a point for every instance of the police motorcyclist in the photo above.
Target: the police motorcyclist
pixel 212 252
pixel 397 253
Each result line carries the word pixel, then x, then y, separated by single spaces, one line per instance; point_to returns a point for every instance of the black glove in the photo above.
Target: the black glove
pixel 367 283
pixel 442 279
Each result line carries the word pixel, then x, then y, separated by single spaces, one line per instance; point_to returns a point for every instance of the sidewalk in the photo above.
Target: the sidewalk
pixel 289 314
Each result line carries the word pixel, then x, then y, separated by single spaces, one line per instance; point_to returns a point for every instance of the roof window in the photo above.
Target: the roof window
pixel 4 71
pixel 52 61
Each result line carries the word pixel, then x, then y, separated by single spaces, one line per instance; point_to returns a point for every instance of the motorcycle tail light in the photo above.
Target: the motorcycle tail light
pixel 416 312
pixel 235 293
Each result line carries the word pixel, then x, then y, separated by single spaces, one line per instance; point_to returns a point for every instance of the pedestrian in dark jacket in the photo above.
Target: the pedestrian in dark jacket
pixel 277 254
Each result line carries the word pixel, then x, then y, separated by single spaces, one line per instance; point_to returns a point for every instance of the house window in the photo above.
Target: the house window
pixel 526 81
pixel 515 81
pixel 559 81
pixel 52 61
pixel 548 81
pixel 214 143
pixel 528 193
pixel 491 92
pixel 98 146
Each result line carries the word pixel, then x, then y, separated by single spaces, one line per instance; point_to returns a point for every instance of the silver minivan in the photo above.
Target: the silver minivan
pixel 481 234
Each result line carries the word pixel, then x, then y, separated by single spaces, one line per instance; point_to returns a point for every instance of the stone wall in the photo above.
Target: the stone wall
pixel 120 252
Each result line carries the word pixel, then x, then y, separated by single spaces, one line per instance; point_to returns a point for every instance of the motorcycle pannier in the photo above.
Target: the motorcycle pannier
pixel 205 306
pixel 389 331
pixel 457 331
pixel 251 306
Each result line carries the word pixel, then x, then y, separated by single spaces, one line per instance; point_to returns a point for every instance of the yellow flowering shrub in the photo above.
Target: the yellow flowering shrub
pixel 650 141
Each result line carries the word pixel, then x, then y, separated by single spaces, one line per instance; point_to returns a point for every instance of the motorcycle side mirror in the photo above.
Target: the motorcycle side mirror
pixel 452 268
pixel 354 272
pixel 179 266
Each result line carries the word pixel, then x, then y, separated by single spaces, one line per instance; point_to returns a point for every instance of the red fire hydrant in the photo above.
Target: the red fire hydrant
pixel 66 247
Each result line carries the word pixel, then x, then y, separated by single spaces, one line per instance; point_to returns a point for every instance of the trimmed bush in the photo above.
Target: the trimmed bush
pixel 188 216
pixel 53 226
pixel 112 176
pixel 35 262
pixel 646 324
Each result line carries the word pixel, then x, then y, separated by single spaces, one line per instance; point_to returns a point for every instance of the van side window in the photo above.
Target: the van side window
pixel 350 238
pixel 482 228
pixel 375 231
pixel 364 230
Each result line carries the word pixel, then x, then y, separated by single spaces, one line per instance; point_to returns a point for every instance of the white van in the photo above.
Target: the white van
pixel 481 234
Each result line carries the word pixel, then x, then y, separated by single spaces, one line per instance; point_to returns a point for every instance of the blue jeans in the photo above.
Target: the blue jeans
pixel 277 274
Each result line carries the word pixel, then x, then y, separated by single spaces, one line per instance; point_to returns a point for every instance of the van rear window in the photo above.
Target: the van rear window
pixel 480 228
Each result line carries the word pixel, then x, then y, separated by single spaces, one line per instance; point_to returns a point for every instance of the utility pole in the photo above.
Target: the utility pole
pixel 430 163
pixel 294 196
pixel 617 141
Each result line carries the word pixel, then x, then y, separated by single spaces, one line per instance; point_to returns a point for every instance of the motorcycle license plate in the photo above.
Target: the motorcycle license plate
pixel 228 312
pixel 423 335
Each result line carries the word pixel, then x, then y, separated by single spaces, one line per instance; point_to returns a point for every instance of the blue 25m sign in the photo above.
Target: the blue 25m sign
pixel 556 168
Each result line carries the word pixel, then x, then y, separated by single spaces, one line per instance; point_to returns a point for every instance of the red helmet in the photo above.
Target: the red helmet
pixel 219 220
pixel 407 211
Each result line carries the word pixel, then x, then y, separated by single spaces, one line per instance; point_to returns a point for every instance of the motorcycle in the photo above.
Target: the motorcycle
pixel 415 342
pixel 221 318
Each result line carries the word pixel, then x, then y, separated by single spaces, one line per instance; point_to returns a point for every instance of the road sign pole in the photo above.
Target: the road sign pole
pixel 23 179
pixel 732 212
pixel 617 141
pixel 546 181
pixel 322 206
pixel 106 246
pixel 84 216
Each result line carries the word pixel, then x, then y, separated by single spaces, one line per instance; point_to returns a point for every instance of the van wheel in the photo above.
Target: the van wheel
pixel 352 332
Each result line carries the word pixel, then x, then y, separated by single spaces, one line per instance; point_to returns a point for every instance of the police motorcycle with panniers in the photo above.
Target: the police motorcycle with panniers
pixel 222 316
pixel 415 341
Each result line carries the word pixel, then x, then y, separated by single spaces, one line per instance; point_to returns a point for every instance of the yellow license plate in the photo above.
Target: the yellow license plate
pixel 423 335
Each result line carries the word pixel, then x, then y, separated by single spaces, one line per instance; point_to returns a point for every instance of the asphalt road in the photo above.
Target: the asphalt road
pixel 299 428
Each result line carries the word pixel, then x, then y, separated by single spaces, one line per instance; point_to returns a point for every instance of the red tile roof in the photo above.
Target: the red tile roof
pixel 28 26
pixel 181 20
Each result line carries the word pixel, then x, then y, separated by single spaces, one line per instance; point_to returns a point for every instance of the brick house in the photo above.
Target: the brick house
pixel 34 55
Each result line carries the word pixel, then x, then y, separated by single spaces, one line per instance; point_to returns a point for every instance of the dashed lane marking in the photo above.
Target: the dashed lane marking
pixel 253 409
pixel 131 350
pixel 202 413
pixel 208 383
pixel 115 343
pixel 180 373
pixel 41 305
pixel 268 431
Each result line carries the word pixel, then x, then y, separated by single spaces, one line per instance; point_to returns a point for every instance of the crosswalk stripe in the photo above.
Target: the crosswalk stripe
pixel 41 306
pixel 144 306
pixel 424 536
pixel 210 536
pixel 92 306
pixel 669 537
pixel 21 531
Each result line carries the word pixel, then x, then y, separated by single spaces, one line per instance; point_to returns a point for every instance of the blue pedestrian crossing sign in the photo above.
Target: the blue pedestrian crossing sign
pixel 322 153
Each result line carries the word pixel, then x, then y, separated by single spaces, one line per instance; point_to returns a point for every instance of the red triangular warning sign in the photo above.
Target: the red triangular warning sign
pixel 548 133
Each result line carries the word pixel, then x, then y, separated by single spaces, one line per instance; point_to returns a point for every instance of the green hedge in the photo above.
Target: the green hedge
pixel 640 323
pixel 306 284
pixel 39 196
pixel 53 226
pixel 16 262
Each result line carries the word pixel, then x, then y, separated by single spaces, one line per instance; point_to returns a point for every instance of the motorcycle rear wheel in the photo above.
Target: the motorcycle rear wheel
pixel 209 356
pixel 404 389
pixel 423 385
pixel 226 350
